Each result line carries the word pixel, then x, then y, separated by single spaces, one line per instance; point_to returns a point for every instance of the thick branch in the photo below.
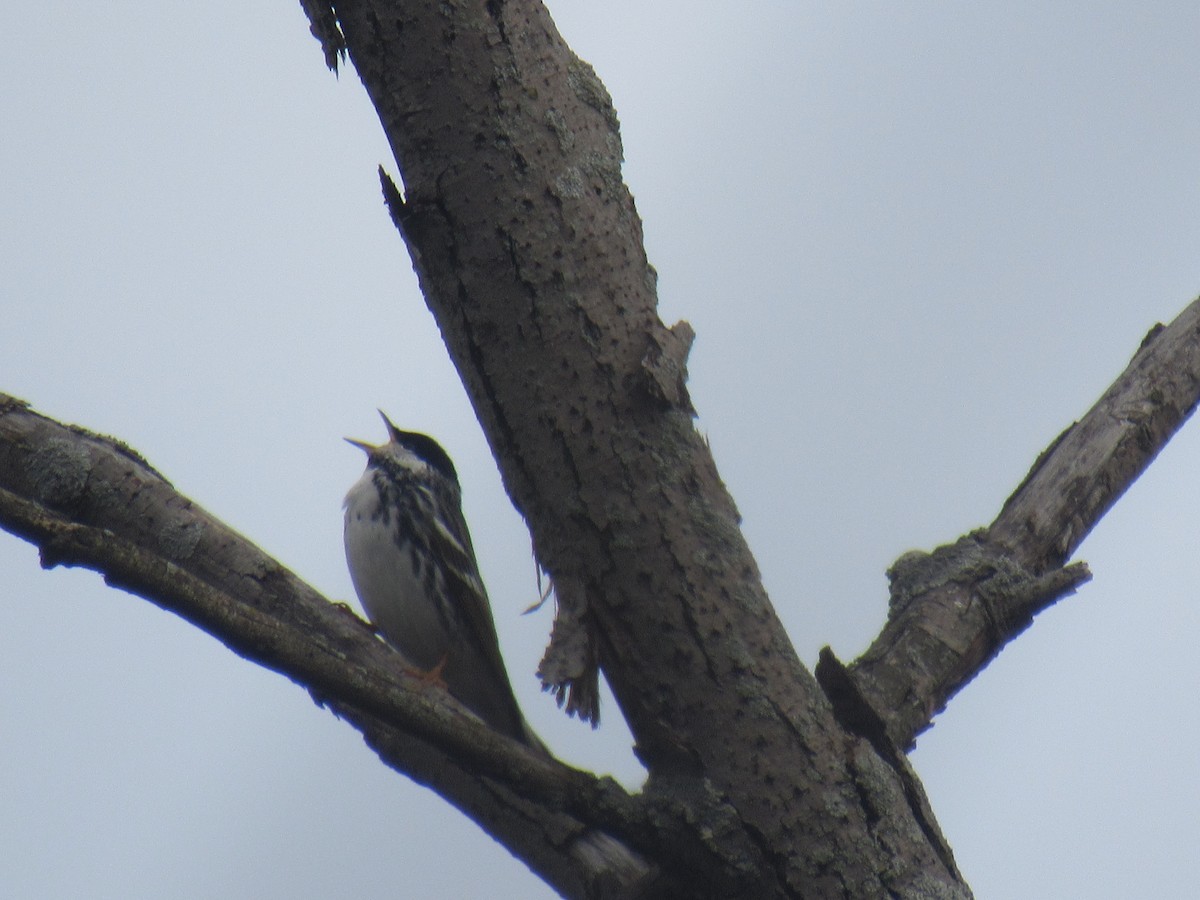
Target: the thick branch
pixel 529 251
pixel 954 609
pixel 87 500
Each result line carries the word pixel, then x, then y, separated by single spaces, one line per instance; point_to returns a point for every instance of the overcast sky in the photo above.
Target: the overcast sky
pixel 916 241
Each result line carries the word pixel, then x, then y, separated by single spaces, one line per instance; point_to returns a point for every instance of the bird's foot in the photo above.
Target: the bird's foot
pixel 431 677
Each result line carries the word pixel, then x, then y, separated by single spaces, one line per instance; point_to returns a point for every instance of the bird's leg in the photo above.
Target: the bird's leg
pixel 430 677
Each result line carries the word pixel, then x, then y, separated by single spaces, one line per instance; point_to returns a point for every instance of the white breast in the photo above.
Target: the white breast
pixel 387 585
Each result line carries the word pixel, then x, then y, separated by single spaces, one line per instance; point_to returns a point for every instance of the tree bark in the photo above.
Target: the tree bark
pixel 529 251
pixel 88 500
pixel 763 780
pixel 953 610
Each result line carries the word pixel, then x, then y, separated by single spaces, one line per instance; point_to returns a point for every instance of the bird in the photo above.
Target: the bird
pixel 414 569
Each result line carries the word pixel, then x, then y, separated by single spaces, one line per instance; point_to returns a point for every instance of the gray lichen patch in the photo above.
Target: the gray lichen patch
pixel 557 123
pixel 178 539
pixel 583 81
pixel 569 185
pixel 60 471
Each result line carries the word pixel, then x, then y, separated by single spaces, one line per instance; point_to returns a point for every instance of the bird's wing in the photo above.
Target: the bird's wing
pixel 450 542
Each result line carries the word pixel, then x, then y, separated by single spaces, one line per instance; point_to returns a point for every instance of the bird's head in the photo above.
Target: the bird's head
pixel 406 446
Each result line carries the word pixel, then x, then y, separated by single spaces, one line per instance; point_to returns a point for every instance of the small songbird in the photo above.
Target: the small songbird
pixel 414 570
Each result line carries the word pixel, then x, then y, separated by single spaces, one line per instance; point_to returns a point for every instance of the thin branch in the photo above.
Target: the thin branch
pixel 953 610
pixel 1089 467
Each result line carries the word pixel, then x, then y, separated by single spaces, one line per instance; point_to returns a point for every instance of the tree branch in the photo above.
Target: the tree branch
pixel 87 500
pixel 528 248
pixel 953 610
pixel 529 251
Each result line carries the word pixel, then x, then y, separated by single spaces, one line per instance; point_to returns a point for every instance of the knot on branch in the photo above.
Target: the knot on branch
pixel 917 573
pixel 1010 593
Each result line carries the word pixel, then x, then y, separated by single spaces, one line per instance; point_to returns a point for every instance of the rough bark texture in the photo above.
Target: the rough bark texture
pixel 529 251
pixel 763 782
pixel 87 500
pixel 951 611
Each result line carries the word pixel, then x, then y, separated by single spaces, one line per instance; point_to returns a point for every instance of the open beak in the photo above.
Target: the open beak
pixel 393 435
pixel 393 431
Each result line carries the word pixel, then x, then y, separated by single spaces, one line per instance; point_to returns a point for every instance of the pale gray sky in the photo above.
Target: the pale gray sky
pixel 915 240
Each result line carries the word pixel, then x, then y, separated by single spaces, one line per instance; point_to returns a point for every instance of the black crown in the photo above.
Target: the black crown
pixel 428 450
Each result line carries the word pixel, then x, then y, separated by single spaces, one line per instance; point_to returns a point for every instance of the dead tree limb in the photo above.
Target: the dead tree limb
pixel 89 500
pixel 953 610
